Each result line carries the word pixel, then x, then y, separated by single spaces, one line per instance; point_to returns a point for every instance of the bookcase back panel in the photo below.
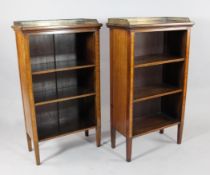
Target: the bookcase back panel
pixel 47 120
pixel 154 114
pixel 76 114
pixel 41 52
pixel 169 74
pixel 146 77
pixel 63 84
pixel 176 43
pixel 173 74
pixel 165 45
pixel 147 108
pixel 72 83
pixel 149 43
pixel 61 50
pixel 74 49
pixel 44 87
pixel 170 105
pixel 60 118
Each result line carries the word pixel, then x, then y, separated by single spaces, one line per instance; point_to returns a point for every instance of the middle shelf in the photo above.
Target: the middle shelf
pixel 63 86
pixel 60 66
pixel 154 92
pixel 157 81
pixel 156 59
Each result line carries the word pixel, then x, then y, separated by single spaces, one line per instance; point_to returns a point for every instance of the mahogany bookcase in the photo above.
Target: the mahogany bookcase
pixel 59 77
pixel 149 67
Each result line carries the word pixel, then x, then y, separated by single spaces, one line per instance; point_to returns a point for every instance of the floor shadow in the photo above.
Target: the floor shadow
pixel 159 140
pixel 163 139
pixel 63 148
pixel 105 144
pixel 105 137
pixel 196 130
pixel 91 139
pixel 112 151
pixel 147 152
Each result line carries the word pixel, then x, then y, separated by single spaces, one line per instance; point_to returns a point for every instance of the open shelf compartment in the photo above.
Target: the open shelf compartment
pixel 154 48
pixel 65 117
pixel 155 114
pixel 157 81
pixel 57 52
pixel 61 86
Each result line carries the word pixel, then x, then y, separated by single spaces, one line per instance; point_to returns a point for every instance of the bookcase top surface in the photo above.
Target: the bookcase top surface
pixel 55 24
pixel 138 22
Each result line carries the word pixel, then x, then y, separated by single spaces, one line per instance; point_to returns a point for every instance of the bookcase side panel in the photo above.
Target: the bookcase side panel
pixel 186 41
pixel 23 81
pixel 30 94
pixel 95 42
pixel 119 78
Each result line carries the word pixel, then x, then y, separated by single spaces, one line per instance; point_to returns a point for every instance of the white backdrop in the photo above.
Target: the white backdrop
pixel 197 109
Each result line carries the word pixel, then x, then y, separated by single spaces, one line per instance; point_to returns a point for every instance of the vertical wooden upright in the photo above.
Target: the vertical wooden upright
pixel 148 75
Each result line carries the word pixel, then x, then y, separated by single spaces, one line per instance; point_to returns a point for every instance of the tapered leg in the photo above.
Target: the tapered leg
pixel 36 150
pixel 179 133
pixel 113 137
pixel 29 142
pixel 98 136
pixel 86 133
pixel 161 131
pixel 128 149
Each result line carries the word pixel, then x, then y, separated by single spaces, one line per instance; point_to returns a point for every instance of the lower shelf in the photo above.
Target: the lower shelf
pixel 147 124
pixel 154 92
pixel 47 132
pixel 63 118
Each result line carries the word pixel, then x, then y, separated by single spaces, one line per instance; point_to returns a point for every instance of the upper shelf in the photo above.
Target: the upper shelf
pixel 58 66
pixel 139 22
pixel 156 59
pixel 55 24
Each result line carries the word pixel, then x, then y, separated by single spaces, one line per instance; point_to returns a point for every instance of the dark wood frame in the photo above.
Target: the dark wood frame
pixel 122 66
pixel 25 29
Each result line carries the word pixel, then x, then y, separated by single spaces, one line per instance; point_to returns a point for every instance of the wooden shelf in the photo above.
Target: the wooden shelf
pixel 154 92
pixel 48 133
pixel 63 69
pixel 54 134
pixel 73 97
pixel 66 117
pixel 156 59
pixel 147 124
pixel 63 86
pixel 50 65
